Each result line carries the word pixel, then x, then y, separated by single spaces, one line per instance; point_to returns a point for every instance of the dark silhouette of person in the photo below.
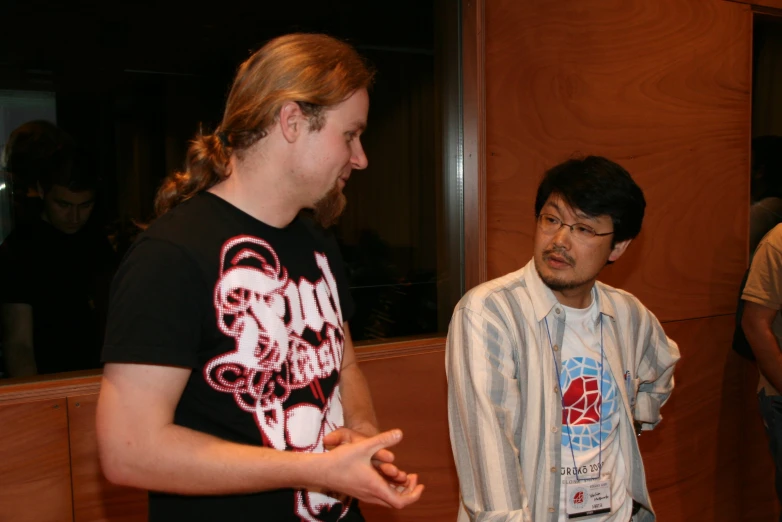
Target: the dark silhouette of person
pixel 56 269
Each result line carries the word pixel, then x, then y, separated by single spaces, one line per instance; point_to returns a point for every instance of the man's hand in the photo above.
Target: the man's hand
pixel 758 325
pixel 382 460
pixel 361 467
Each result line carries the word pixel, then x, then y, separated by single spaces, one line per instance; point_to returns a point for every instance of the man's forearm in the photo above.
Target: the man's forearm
pixel 140 446
pixel 767 353
pixel 357 401
pixel 183 461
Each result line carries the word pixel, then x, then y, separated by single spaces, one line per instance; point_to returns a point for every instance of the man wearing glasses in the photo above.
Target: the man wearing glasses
pixel 551 373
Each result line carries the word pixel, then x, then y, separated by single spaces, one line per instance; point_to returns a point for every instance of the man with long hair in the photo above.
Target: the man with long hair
pixel 230 369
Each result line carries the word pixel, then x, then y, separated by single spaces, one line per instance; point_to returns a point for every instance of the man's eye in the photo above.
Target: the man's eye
pixel 585 230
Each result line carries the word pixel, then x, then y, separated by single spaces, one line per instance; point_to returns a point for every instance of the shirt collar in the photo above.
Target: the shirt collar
pixel 543 299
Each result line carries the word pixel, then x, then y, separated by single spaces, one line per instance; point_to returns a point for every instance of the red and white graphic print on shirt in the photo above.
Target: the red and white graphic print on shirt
pixel 589 404
pixel 269 315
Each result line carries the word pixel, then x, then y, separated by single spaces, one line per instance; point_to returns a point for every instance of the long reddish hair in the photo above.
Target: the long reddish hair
pixel 314 70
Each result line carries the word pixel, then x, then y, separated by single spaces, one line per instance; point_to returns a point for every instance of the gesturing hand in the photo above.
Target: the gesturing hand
pixel 382 460
pixel 361 467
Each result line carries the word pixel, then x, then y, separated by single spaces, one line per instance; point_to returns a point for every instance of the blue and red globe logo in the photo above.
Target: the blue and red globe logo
pixel 583 405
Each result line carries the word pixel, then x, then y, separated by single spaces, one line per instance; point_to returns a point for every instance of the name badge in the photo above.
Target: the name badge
pixel 588 498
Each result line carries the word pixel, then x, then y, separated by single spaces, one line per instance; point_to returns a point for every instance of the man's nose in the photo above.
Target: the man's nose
pixel 562 236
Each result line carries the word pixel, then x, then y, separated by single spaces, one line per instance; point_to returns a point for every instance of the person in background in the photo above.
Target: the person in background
pixel 27 154
pixel 762 325
pixel 55 271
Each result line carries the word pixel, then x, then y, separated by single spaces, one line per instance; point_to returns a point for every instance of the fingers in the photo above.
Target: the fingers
pixel 384 455
pixel 391 472
pixel 399 499
pixel 382 441
pixel 337 437
pixel 408 485
pixel 345 436
pixel 387 485
pixel 331 440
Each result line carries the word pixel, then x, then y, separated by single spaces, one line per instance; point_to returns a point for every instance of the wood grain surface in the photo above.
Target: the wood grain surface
pixel 661 87
pixel 410 393
pixel 693 461
pixel 35 471
pixel 95 499
pixel 474 123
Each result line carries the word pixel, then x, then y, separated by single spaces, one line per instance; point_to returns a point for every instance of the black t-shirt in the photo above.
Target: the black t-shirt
pixel 257 312
pixel 65 279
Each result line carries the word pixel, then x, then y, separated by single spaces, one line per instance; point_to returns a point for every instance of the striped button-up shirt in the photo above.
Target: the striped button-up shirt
pixel 504 407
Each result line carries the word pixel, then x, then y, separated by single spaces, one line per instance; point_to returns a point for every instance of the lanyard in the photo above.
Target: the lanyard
pixel 562 399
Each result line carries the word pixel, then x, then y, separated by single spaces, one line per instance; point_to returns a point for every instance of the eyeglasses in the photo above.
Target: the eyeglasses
pixel 550 225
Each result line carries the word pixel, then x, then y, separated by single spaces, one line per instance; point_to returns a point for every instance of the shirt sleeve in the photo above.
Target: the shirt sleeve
pixel 484 416
pixel 764 282
pixel 654 380
pixel 157 307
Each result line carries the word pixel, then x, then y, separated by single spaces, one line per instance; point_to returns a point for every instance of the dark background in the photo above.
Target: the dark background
pixel 133 81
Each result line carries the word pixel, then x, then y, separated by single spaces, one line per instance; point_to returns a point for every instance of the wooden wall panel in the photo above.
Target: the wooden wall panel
pixel 35 479
pixel 410 393
pixel 95 498
pixel 697 463
pixel 693 458
pixel 474 139
pixel 663 88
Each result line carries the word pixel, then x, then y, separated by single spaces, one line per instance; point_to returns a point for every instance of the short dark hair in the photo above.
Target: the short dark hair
pixel 596 186
pixel 30 148
pixel 70 167
pixel 40 152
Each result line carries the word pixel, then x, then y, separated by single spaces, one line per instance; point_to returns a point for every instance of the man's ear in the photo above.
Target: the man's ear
pixel 619 249
pixel 291 121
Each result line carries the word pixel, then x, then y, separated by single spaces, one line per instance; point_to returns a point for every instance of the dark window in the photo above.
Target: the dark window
pixel 132 81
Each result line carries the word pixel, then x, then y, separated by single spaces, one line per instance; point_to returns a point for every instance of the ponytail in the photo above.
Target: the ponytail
pixel 314 70
pixel 206 165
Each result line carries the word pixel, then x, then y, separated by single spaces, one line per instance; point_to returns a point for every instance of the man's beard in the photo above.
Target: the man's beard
pixel 558 285
pixel 328 209
pixel 554 283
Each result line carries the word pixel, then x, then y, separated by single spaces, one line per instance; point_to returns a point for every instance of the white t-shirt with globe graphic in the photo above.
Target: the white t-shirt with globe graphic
pixel 593 417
